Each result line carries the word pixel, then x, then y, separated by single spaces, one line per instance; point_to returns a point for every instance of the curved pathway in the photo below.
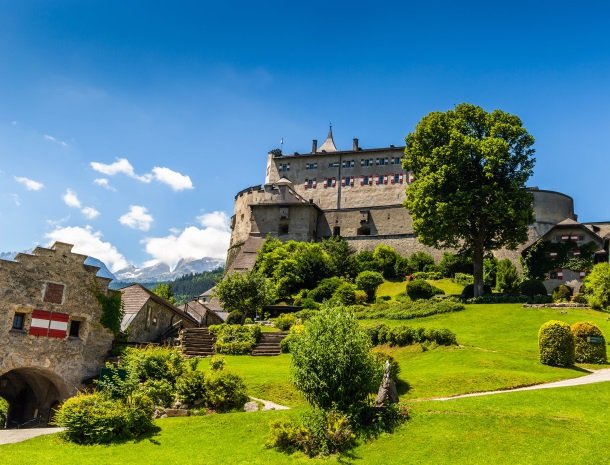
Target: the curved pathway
pixel 596 376
pixel 268 405
pixel 9 436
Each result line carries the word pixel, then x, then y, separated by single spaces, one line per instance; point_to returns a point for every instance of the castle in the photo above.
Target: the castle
pixel 357 194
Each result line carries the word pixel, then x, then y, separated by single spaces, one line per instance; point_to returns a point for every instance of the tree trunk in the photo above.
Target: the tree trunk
pixel 478 268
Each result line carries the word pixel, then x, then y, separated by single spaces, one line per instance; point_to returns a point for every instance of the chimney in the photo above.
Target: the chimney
pixel 355 147
pixel 314 146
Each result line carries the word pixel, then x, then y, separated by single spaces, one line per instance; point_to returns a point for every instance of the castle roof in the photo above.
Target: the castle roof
pixel 329 143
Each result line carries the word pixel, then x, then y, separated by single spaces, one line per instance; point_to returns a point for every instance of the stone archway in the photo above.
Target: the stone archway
pixel 32 394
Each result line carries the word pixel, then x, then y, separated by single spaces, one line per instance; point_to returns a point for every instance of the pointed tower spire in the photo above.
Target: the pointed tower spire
pixel 329 143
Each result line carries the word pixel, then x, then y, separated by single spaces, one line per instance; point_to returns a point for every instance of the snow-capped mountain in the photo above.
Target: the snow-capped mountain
pixel 162 272
pixel 155 273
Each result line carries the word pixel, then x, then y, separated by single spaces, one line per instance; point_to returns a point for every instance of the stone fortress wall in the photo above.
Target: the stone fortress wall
pixel 51 338
pixel 357 194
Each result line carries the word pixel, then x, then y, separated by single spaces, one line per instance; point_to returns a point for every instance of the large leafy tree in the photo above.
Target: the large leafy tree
pixel 470 168
pixel 246 292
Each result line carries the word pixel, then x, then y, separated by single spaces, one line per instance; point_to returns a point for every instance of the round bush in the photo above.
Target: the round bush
pixel 468 291
pixel 556 344
pixel 532 287
pixel 235 318
pixel 97 419
pixel 224 391
pixel 284 321
pixel 585 351
pixel 562 293
pixel 190 387
pixel 419 289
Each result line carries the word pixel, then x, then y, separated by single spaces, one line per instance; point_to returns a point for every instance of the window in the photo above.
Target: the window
pixel 311 166
pixel 347 181
pixel 366 162
pixel 330 182
pixel 381 179
pixel 54 293
pixel 348 164
pixel 382 161
pixel 310 183
pixel 396 179
pixel 395 160
pixel 363 231
pixel 18 321
pixel 283 229
pixel 75 328
pixel 337 231
pixel 148 316
pixel 284 167
pixel 334 164
pixel 365 180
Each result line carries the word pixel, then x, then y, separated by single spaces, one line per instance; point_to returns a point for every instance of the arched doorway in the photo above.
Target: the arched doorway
pixel 32 394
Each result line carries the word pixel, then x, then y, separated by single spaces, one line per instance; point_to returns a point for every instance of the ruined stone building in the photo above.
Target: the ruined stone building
pixel 357 194
pixel 51 338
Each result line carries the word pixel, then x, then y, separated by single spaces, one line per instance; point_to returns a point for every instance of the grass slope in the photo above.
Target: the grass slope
pixel 561 426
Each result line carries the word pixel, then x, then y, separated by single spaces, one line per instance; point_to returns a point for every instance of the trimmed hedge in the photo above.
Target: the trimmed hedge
pixel 405 335
pixel 509 299
pixel 586 352
pixel 432 275
pixel 407 310
pixel 463 278
pixel 556 344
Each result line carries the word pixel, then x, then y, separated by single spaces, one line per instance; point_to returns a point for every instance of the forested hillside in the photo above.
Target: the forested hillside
pixel 191 285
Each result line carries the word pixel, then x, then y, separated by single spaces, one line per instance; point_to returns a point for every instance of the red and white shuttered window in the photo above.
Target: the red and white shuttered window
pixel 347 181
pixel 49 324
pixel 396 178
pixel 310 184
pixel 366 180
pixel 330 182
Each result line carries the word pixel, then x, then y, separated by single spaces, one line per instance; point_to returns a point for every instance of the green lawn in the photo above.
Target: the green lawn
pixel 498 349
pixel 560 426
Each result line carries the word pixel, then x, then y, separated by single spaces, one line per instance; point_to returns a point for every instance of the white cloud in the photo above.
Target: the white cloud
pixel 71 199
pixel 103 182
pixel 29 184
pixel 137 218
pixel 121 166
pixel 177 181
pixel 89 242
pixel 55 140
pixel 173 179
pixel 210 241
pixel 90 213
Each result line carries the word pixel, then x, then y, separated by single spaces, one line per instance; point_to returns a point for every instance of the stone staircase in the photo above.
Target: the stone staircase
pixel 197 342
pixel 269 344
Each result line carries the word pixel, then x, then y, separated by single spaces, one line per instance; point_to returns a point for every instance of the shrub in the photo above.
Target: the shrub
pixel 419 260
pixel 325 289
pixel 345 294
pixel 507 278
pixel 402 336
pixel 97 419
pixel 556 344
pixel 468 291
pixel 419 289
pixel 532 287
pixel 320 432
pixel 284 321
pixel 382 298
pixel 235 339
pixel 562 293
pixel 3 411
pixel 217 363
pixel 463 278
pixel 387 257
pixel 585 351
pixel 360 296
pixel 154 363
pixel 369 281
pixel 332 364
pixel 509 299
pixel 224 391
pixel 235 318
pixel 597 285
pixel 191 387
pixel 159 391
pixel 292 336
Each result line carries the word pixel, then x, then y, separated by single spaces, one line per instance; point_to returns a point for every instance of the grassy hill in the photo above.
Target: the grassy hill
pixel 498 349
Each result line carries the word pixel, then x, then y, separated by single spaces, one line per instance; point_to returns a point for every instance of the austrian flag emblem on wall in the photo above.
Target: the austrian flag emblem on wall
pixel 49 324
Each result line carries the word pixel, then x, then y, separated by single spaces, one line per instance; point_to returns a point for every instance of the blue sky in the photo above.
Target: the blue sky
pixel 175 104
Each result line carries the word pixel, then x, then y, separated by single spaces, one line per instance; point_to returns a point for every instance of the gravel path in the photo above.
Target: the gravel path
pixel 268 405
pixel 597 376
pixel 9 436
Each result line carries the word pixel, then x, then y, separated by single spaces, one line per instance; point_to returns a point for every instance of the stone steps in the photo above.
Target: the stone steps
pixel 197 342
pixel 269 344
